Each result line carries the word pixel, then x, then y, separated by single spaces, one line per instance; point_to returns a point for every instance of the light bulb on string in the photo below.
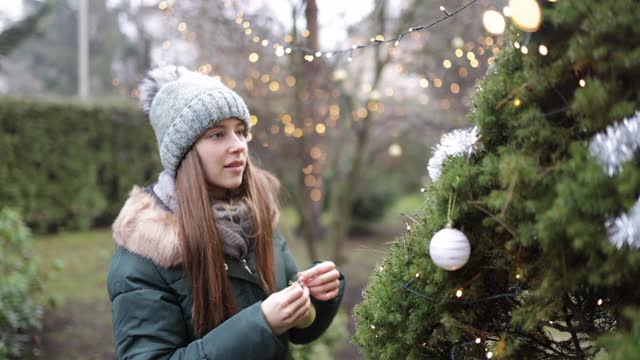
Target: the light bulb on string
pixel 526 14
pixel 444 11
pixel 493 22
pixel 543 50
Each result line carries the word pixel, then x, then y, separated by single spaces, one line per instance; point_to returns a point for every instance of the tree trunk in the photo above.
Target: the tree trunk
pixel 306 74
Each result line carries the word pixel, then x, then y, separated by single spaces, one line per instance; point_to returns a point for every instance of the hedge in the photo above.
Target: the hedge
pixel 67 165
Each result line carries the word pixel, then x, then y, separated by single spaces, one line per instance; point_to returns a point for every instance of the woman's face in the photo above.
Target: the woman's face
pixel 223 153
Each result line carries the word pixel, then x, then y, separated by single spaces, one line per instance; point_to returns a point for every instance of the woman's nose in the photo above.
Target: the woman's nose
pixel 238 143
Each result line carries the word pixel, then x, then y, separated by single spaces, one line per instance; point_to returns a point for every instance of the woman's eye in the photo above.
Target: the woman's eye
pixel 216 135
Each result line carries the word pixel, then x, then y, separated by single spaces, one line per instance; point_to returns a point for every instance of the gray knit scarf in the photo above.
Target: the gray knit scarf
pixel 233 219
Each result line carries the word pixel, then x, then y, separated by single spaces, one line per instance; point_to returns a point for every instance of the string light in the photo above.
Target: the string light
pixel 543 50
pixel 377 40
pixel 582 83
pixel 513 294
pixel 600 302
pixel 493 22
pixel 526 14
pixel 395 150
pixel 459 293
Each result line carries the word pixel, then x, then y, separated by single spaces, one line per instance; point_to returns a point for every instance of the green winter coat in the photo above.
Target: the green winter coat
pixel 151 298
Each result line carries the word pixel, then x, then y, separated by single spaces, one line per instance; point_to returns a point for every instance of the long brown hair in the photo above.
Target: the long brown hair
pixel 201 247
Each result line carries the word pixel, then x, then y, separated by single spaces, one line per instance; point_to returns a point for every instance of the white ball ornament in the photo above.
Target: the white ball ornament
pixel 449 249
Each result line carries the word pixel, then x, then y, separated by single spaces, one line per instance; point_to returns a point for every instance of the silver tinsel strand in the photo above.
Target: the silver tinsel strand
pixel 455 143
pixel 617 144
pixel 625 229
pixel 612 148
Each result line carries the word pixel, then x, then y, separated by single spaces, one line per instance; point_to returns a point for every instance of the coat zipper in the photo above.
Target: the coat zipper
pixel 244 263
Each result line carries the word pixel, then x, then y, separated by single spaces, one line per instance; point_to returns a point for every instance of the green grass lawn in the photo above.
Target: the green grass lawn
pixel 75 264
pixel 77 323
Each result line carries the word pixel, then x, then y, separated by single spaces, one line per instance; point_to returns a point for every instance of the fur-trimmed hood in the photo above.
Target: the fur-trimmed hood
pixel 145 228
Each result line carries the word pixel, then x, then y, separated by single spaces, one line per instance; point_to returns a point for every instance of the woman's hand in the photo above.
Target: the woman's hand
pixel 322 280
pixel 286 307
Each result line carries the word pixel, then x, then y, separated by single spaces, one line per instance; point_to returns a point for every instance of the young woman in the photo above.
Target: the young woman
pixel 200 271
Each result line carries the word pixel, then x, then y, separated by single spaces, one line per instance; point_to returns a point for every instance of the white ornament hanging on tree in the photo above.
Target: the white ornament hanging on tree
pixel 449 249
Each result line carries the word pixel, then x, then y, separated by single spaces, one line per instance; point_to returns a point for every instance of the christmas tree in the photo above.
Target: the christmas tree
pixel 546 190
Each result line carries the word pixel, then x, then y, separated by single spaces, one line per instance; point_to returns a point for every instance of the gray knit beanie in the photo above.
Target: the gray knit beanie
pixel 181 105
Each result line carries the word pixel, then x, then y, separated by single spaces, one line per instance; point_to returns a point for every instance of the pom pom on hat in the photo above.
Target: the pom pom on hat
pixel 154 80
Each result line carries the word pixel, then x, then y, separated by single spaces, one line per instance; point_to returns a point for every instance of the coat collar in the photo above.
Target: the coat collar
pixel 145 228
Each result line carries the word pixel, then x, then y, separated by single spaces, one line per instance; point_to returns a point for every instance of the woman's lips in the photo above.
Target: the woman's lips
pixel 235 165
